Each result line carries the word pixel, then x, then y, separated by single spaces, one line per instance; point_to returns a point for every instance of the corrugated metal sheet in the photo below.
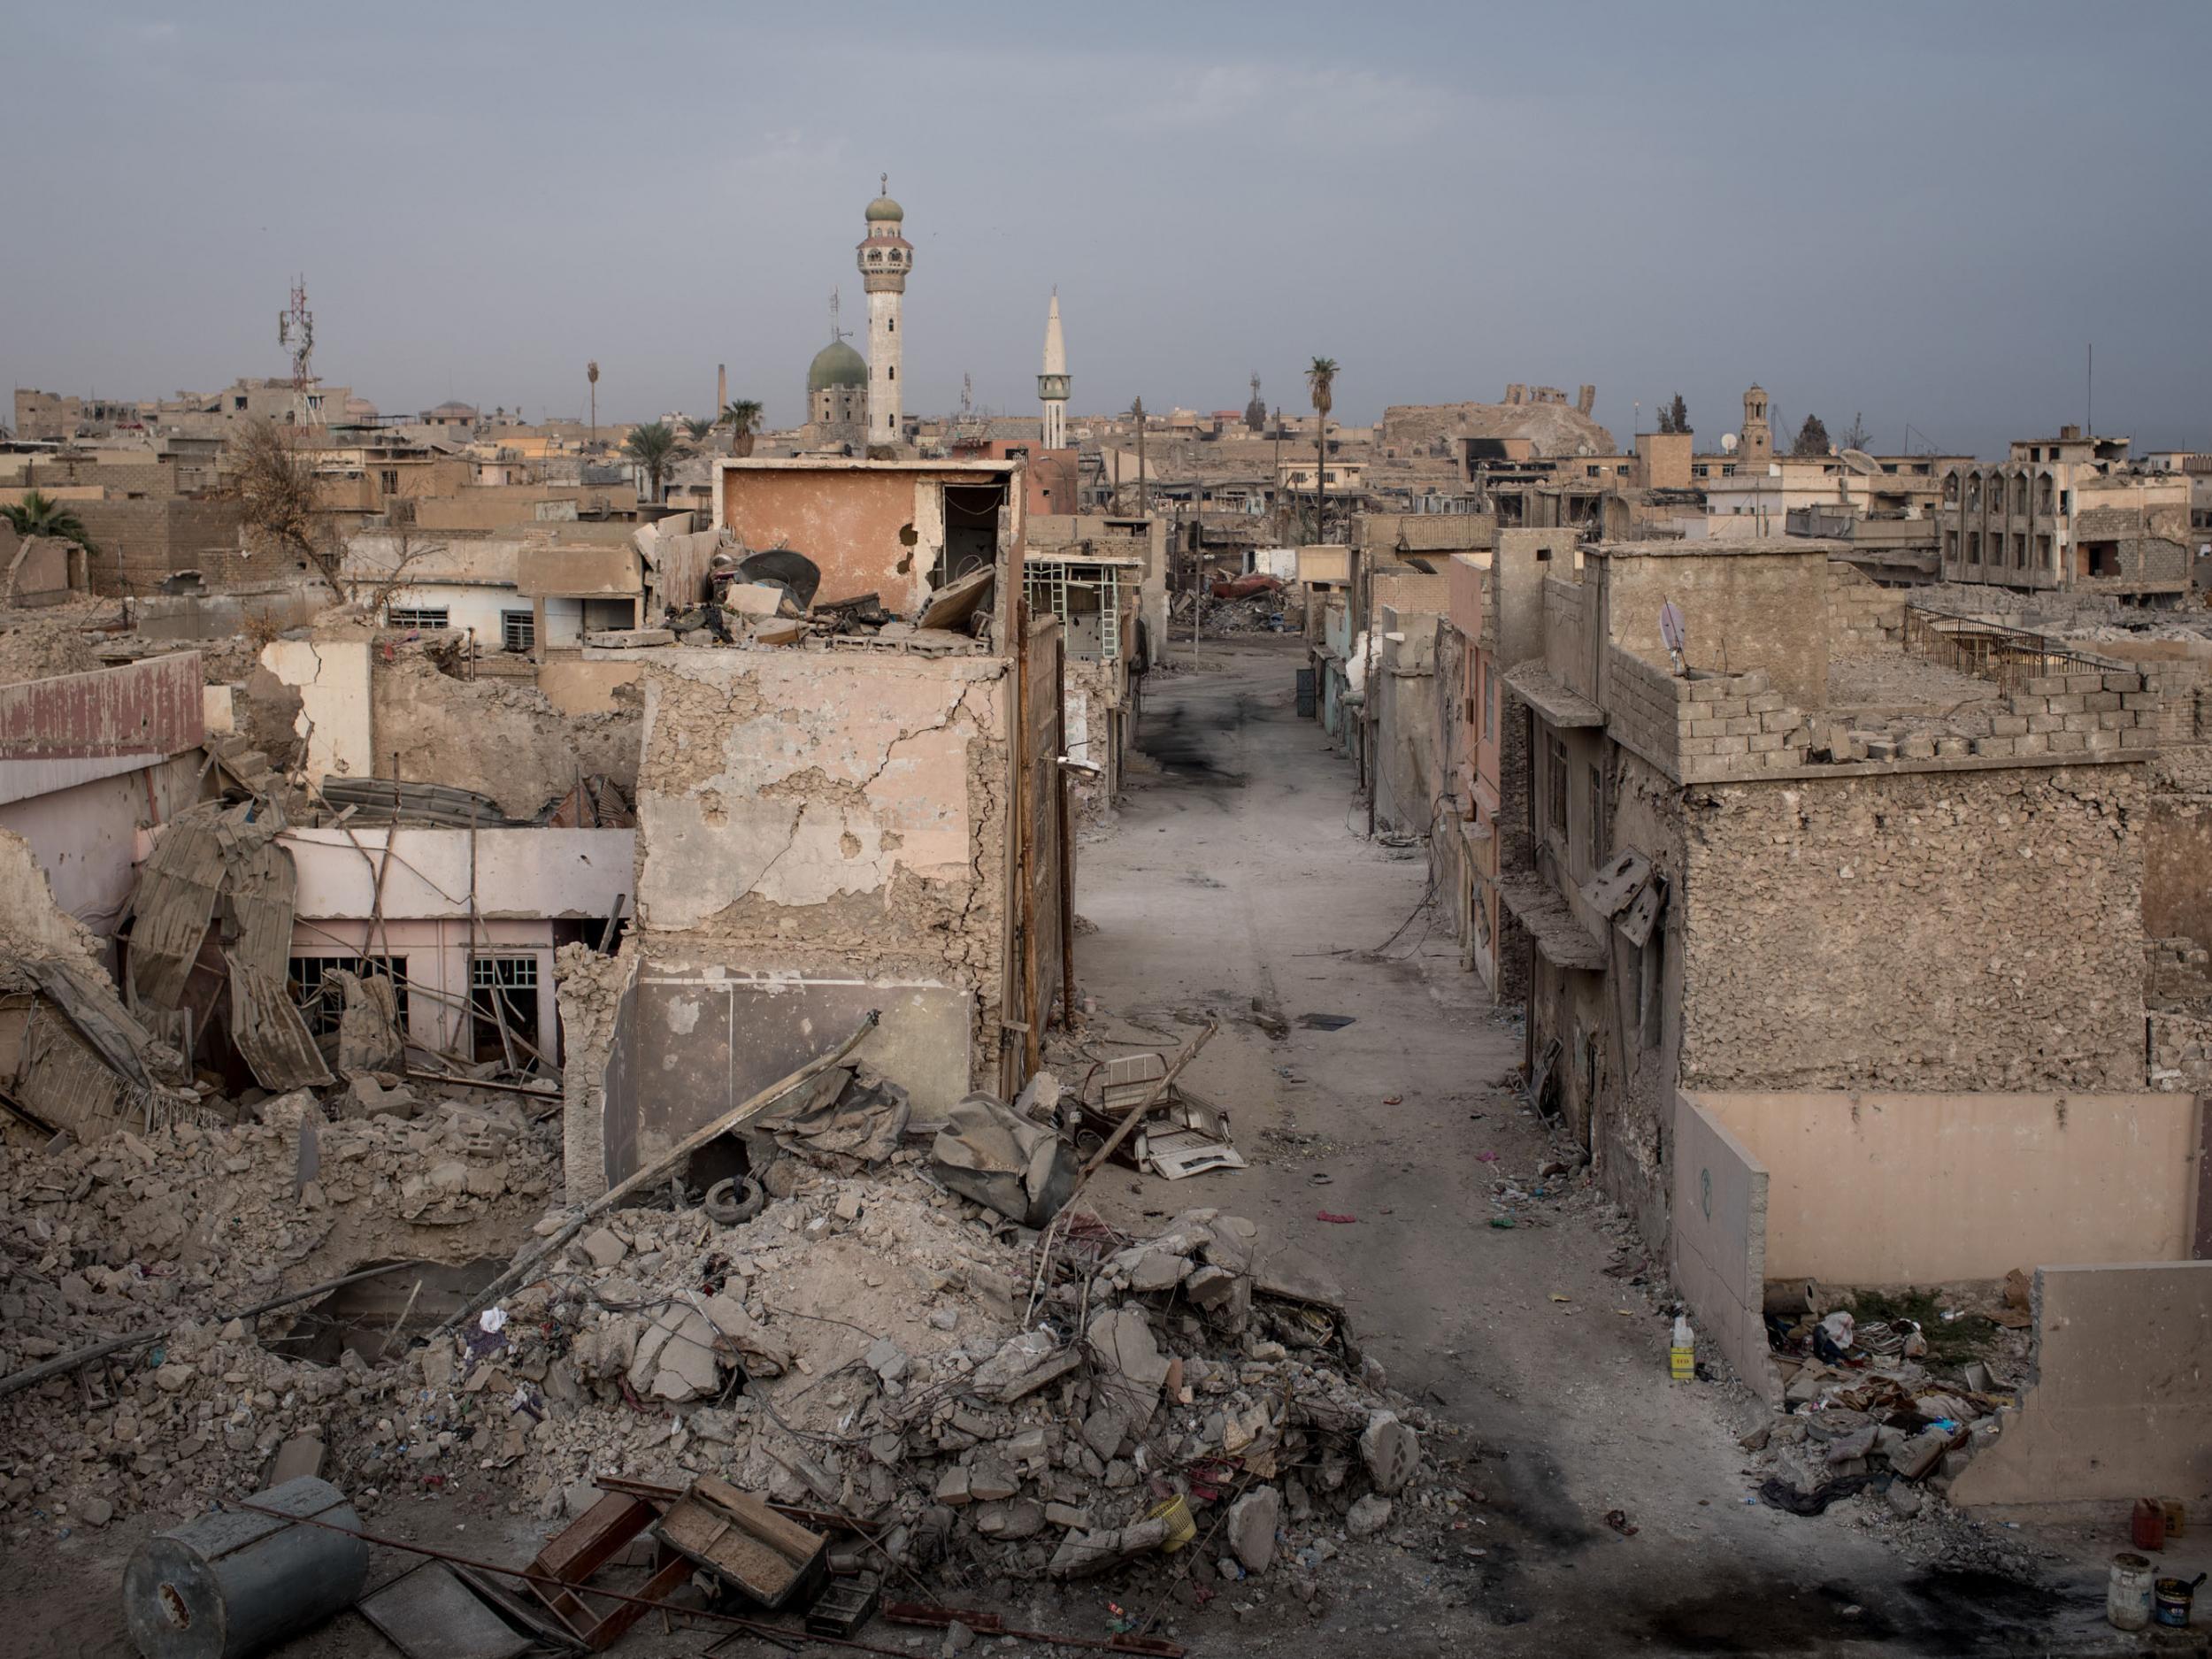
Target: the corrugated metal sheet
pixel 177 889
pixel 270 1032
pixel 65 1082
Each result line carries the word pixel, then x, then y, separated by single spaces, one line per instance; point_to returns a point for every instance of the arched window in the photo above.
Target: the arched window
pixel 2020 494
pixel 1974 493
pixel 1950 489
pixel 2043 493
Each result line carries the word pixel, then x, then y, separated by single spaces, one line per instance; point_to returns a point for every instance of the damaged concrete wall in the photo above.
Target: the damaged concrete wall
pixel 598 1003
pixel 830 819
pixel 1873 1190
pixel 2121 1406
pixel 1932 930
pixel 332 678
pixel 498 736
pixel 1403 692
pixel 870 530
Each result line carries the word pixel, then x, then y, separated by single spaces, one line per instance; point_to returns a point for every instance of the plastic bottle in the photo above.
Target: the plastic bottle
pixel 1682 1357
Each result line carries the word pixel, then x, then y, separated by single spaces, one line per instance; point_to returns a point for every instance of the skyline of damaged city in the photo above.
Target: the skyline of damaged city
pixel 1398 836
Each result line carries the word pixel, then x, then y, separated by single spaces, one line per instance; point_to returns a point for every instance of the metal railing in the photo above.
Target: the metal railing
pixel 1989 650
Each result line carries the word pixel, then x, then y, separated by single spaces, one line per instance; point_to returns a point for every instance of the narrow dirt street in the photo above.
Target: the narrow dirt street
pixel 1238 881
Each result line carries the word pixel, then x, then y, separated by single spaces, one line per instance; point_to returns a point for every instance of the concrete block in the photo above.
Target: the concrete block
pixel 1724 747
pixel 1733 708
pixel 2139 737
pixel 2149 700
pixel 2068 742
pixel 2007 726
pixel 2070 703
pixel 1763 742
pixel 1767 702
pixel 2098 702
pixel 1707 690
pixel 2101 742
pixel 1698 746
pixel 2034 743
pixel 2047 722
pixel 1994 746
pixel 1741 726
pixel 2043 685
pixel 2078 722
pixel 1752 682
pixel 2085 682
pixel 1949 748
pixel 1778 720
pixel 2124 682
pixel 1920 746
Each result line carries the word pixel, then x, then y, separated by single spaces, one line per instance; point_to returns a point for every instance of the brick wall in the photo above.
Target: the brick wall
pixel 1865 618
pixel 1977 929
pixel 2086 711
pixel 1703 728
pixel 140 542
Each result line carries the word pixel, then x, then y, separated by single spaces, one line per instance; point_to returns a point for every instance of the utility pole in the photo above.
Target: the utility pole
pixel 591 373
pixel 1320 476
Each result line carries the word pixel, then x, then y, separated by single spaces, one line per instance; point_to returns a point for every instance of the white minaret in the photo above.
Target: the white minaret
pixel 1052 383
pixel 885 256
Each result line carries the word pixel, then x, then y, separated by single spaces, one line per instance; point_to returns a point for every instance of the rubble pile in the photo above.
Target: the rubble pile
pixel 178 1231
pixel 860 1344
pixel 1893 1405
pixel 1252 613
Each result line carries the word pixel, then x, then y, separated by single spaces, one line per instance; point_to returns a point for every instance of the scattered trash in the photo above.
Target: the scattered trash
pixel 1779 1495
pixel 1393 1100
pixel 1326 1022
pixel 491 1321
pixel 1617 1519
pixel 743 1542
pixel 248 1570
pixel 1504 1223
pixel 1323 1215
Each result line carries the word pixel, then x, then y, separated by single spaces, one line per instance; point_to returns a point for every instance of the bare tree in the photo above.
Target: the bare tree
pixel 1857 437
pixel 372 581
pixel 280 500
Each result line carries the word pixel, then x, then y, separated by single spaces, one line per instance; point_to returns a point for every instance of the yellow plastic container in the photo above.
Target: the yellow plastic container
pixel 1180 1528
pixel 1682 1363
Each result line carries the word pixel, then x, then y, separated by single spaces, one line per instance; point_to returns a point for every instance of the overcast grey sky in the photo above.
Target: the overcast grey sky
pixel 1921 212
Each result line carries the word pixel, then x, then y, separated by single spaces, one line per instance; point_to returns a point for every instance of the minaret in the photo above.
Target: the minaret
pixel 885 258
pixel 1052 382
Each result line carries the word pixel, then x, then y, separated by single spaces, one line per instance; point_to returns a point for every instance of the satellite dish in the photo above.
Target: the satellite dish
pixel 1673 632
pixel 1728 443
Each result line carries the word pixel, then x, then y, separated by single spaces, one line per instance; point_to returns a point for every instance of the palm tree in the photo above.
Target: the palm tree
pixel 742 417
pixel 40 514
pixel 653 446
pixel 696 427
pixel 1321 380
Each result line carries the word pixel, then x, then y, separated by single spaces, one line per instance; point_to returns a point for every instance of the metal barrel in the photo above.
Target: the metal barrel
pixel 234 1583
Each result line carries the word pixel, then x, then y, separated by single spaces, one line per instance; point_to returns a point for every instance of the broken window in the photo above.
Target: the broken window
pixel 503 1006
pixel 518 631
pixel 2100 559
pixel 388 480
pixel 315 993
pixel 971 522
pixel 417 617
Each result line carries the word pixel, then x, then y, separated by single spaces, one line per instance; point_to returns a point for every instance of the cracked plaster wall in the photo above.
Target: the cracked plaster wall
pixel 825 813
pixel 332 677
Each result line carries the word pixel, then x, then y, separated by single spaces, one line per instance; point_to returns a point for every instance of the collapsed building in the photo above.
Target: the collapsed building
pixel 830 821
